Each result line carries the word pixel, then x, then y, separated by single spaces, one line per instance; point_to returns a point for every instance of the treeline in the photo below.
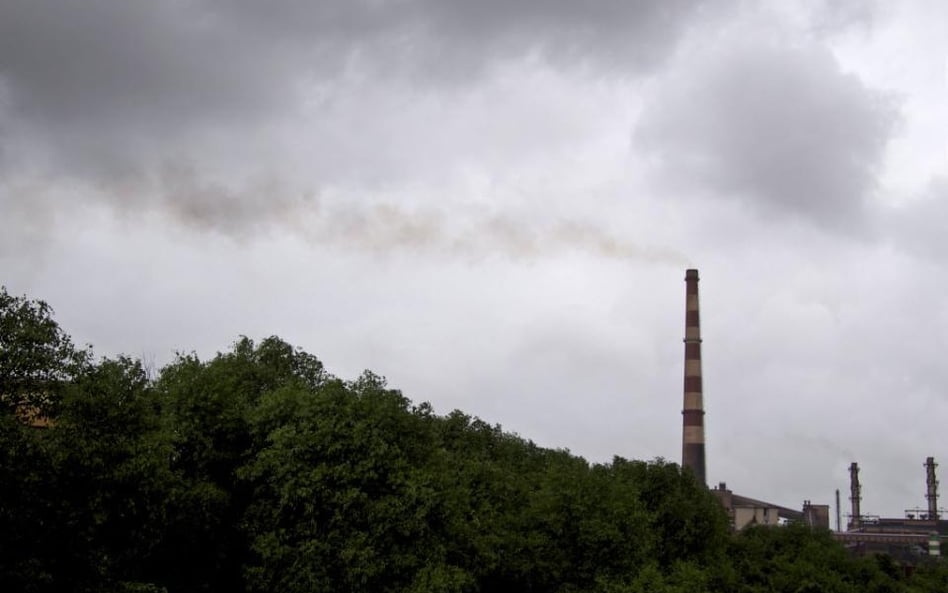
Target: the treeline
pixel 258 471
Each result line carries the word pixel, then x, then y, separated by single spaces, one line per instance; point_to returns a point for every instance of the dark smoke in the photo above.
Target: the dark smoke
pixel 384 228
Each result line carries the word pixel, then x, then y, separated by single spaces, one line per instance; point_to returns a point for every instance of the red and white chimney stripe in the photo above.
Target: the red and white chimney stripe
pixel 692 437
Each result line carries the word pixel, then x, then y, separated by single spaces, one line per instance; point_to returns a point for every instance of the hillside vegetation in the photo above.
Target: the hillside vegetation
pixel 259 471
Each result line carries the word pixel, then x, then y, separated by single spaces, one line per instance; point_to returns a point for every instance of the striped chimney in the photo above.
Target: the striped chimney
pixel 692 435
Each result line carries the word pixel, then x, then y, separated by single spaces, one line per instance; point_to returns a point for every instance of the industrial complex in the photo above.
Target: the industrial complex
pixel 918 534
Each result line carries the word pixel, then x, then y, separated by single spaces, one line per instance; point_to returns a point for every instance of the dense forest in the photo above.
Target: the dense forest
pixel 259 471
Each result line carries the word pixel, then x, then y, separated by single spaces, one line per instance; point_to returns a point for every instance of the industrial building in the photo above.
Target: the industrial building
pixel 918 534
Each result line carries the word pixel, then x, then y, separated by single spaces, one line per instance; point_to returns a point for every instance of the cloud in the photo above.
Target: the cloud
pixel 141 63
pixel 782 129
pixel 455 39
pixel 104 95
pixel 834 16
pixel 98 61
pixel 921 225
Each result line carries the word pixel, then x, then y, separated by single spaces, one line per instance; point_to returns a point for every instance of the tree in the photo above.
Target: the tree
pixel 37 362
pixel 110 462
pixel 341 490
pixel 25 515
pixel 797 558
pixel 36 357
pixel 687 522
pixel 257 470
pixel 81 502
pixel 206 410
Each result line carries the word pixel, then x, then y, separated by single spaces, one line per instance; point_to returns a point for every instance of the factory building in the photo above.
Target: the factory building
pixel 919 533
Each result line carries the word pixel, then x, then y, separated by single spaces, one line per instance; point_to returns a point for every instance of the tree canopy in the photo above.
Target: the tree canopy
pixel 258 471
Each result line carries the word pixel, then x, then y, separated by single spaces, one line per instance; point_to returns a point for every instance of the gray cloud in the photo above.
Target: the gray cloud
pixel 142 106
pixel 93 62
pixel 457 39
pixel 834 16
pixel 100 61
pixel 781 128
pixel 921 225
pixel 105 94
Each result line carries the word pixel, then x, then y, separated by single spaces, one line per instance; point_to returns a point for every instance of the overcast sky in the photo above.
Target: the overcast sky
pixel 493 205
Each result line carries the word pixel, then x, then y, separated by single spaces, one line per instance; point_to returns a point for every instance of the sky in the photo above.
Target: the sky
pixel 493 205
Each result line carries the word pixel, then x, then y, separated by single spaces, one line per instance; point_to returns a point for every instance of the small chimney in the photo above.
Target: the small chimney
pixel 931 493
pixel 692 437
pixel 855 495
pixel 838 522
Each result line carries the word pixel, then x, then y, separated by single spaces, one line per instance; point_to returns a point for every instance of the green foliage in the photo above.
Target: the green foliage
pixel 83 500
pixel 930 576
pixel 206 412
pixel 341 497
pixel 110 457
pixel 36 357
pixel 796 558
pixel 25 476
pixel 258 471
pixel 687 521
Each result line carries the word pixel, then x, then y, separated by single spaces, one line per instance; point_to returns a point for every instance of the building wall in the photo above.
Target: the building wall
pixel 816 515
pixel 744 516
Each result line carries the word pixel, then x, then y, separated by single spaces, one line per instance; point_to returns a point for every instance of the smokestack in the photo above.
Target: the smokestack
pixel 692 435
pixel 838 522
pixel 932 492
pixel 855 494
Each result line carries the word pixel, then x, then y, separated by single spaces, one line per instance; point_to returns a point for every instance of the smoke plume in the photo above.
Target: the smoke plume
pixel 381 228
